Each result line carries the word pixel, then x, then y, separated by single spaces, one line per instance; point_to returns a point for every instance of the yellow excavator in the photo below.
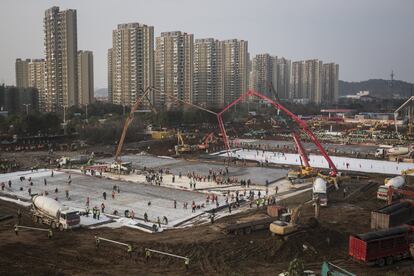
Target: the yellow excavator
pixel 182 147
pixel 287 223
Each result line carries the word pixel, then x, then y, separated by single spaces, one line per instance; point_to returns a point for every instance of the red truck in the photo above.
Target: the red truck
pixel 382 247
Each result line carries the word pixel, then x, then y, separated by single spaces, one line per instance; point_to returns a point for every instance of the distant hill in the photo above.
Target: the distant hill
pixel 378 88
pixel 101 92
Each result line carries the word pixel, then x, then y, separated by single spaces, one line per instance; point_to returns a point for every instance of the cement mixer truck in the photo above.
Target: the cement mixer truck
pixel 319 191
pixel 396 182
pixel 50 212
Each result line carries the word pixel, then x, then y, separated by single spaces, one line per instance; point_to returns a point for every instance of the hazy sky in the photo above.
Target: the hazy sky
pixel 367 38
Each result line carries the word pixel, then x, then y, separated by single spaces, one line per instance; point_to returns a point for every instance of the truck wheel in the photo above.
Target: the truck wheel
pixel 381 262
pixel 53 225
pixel 389 260
pixel 60 227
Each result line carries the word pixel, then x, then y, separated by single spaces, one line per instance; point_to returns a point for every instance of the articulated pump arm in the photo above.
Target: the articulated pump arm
pixel 303 156
pixel 128 122
pixel 278 106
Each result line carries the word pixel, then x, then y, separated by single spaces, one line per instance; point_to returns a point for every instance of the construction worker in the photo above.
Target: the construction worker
pixel 10 183
pixel 104 195
pixel 45 181
pixel 147 255
pixel 103 207
pixel 159 222
pixel 113 194
pixel 19 216
pixel 187 263
pixel 132 214
pixel 175 204
pixel 50 233
pixel 165 219
pixel 87 201
pixel 145 217
pixel 98 213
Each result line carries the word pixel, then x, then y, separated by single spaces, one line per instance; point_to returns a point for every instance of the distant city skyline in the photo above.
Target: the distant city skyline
pixel 367 38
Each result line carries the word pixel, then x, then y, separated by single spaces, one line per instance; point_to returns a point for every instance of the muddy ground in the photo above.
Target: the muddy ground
pixel 211 252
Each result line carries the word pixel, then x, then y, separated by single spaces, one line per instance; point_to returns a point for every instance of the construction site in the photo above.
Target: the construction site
pixel 266 193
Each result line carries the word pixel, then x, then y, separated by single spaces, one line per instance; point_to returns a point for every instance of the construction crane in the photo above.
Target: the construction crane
pixel 410 110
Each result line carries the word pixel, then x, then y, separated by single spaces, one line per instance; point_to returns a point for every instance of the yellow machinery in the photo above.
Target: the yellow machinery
pixel 160 134
pixel 302 172
pixel 287 224
pixel 181 147
pixel 305 170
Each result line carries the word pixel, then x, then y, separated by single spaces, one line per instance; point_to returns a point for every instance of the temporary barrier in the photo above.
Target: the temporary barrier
pixel 18 227
pixel 186 259
pixel 99 239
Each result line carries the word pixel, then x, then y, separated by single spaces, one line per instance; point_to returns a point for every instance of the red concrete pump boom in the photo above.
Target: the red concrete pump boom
pixel 303 156
pixel 128 122
pixel 303 126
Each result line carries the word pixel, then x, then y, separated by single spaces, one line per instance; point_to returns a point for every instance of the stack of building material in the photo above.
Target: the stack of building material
pixel 392 215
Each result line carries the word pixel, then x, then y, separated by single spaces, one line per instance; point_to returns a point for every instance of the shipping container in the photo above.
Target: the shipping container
pixel 392 215
pixel 381 247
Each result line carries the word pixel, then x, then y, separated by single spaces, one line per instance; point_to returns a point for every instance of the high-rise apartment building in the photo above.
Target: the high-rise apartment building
pixel 263 73
pixel 313 78
pixel 31 74
pixel 110 75
pixel 314 81
pixel 37 78
pixel 235 68
pixel 208 79
pixel 85 77
pixel 281 80
pixel 61 89
pixel 22 72
pixel 130 63
pixel 330 88
pixel 174 61
pixel 298 77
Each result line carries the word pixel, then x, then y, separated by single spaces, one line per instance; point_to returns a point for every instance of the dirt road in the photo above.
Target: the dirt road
pixel 210 251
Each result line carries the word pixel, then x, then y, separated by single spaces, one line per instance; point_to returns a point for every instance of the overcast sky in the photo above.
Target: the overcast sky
pixel 367 38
